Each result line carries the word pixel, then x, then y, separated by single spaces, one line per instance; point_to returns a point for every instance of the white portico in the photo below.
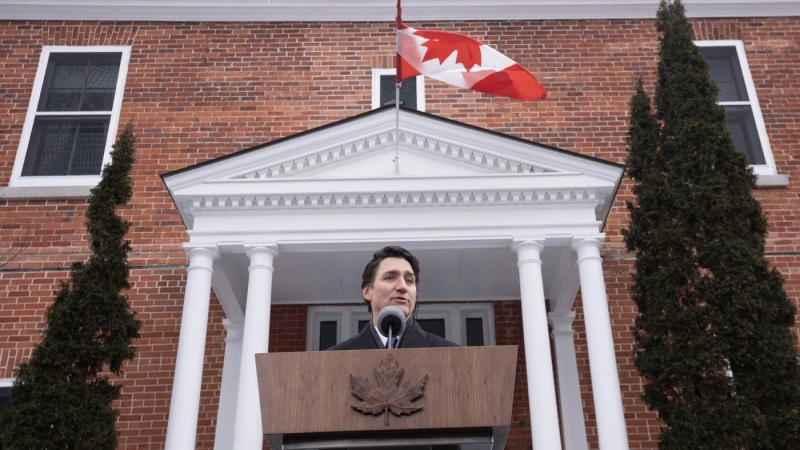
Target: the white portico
pixel 491 217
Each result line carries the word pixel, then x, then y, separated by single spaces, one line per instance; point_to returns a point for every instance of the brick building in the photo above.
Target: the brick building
pixel 267 172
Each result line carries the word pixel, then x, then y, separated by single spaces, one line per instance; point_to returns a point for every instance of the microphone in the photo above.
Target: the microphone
pixel 391 321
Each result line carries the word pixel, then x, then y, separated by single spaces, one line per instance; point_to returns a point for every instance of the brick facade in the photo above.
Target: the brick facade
pixel 203 90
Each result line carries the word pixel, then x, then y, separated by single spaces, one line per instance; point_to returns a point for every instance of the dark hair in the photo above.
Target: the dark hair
pixel 392 251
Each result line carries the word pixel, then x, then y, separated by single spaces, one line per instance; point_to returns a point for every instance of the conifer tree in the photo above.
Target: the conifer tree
pixel 713 335
pixel 62 397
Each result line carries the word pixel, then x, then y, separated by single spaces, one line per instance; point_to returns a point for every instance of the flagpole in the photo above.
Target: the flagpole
pixel 397 128
pixel 397 82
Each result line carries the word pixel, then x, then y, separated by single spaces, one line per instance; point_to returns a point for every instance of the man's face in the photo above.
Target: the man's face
pixel 394 284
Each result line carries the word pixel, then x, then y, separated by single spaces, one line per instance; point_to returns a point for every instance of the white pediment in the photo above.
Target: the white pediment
pixel 367 146
pixel 375 160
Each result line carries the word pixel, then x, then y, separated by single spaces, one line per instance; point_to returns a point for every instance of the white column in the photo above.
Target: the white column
pixel 185 404
pixel 229 389
pixel 541 386
pixel 248 434
pixel 611 428
pixel 569 388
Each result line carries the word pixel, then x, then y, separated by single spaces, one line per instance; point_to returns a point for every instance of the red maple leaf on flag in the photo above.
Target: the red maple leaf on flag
pixel 442 44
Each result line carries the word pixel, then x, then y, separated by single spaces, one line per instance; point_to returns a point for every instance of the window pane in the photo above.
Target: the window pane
pixel 5 401
pixel 434 326
pixel 726 71
pixel 327 334
pixel 102 76
pixel 64 93
pixel 742 128
pixel 100 86
pixel 68 76
pixel 66 146
pixel 362 324
pixel 80 82
pixel 97 101
pixel 475 332
pixel 5 398
pixel 408 91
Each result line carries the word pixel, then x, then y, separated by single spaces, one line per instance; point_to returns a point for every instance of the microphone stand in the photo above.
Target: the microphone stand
pixel 390 337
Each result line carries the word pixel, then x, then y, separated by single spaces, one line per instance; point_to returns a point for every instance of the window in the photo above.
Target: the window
pixel 412 91
pixel 470 324
pixel 729 70
pixel 5 395
pixel 72 117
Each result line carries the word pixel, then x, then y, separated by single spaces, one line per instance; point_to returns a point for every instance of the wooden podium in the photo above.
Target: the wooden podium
pixel 404 398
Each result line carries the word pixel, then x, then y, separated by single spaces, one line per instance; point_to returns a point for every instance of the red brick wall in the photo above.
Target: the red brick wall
pixel 202 90
pixel 287 328
pixel 508 331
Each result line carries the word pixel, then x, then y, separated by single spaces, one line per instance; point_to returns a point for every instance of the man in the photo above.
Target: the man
pixel 391 278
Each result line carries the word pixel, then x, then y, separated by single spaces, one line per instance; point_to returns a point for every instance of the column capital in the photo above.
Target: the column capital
pixel 561 322
pixel 271 247
pixel 528 250
pixel 593 240
pixel 257 251
pixel 234 329
pixel 534 242
pixel 262 256
pixel 201 256
pixel 192 250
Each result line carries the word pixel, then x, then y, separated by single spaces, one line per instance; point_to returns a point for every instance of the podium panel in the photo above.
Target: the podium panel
pixel 449 398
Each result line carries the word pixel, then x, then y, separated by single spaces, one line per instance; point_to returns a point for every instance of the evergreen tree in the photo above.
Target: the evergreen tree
pixel 713 335
pixel 61 398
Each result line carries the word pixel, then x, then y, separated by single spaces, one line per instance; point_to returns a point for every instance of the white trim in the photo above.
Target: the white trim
pixel 17 180
pixel 767 169
pixel 376 88
pixel 6 382
pixel 346 318
pixel 455 316
pixel 44 192
pixel 383 10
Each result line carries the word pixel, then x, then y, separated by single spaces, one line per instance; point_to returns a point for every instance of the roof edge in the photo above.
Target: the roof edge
pixel 381 11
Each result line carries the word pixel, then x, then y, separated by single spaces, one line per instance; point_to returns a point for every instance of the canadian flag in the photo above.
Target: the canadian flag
pixel 462 61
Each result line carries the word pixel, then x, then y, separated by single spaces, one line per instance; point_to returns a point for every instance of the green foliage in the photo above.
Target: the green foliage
pixel 713 334
pixel 60 398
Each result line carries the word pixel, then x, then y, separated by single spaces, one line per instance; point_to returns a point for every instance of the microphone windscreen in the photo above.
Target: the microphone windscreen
pixel 391 316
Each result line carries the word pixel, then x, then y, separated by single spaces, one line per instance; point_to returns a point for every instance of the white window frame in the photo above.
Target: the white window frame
pixel 376 88
pixel 762 170
pixel 346 318
pixel 17 180
pixel 454 315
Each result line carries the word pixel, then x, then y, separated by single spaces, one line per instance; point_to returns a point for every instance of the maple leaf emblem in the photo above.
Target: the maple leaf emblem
pixel 441 45
pixel 390 393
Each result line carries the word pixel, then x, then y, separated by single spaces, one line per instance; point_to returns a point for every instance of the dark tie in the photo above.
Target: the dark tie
pixel 394 342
